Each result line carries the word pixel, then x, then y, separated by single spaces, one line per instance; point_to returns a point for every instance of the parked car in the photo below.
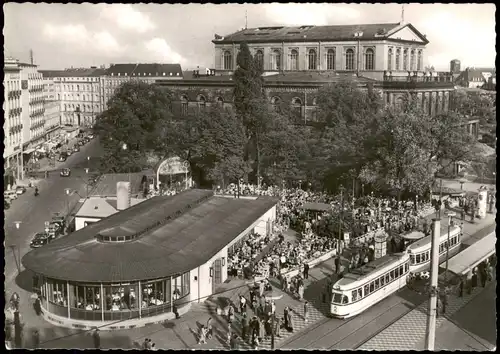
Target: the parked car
pixel 20 190
pixel 91 136
pixel 65 172
pixel 58 220
pixel 6 204
pixel 76 148
pixel 81 142
pixel 62 158
pixel 40 239
pixel 69 152
pixel 86 139
pixel 10 195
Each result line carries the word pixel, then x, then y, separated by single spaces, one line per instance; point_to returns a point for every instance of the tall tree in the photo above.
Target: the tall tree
pixel 218 145
pixel 138 116
pixel 249 101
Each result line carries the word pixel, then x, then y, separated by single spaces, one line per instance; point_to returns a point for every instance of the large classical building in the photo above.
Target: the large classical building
pixel 297 61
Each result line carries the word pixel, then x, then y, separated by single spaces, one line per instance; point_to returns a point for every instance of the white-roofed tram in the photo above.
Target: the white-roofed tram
pixel 420 251
pixel 365 286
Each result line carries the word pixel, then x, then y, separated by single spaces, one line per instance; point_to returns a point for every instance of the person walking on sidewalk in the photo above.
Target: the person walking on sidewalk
pixel 277 326
pixel 306 311
pixel 285 317
pixel 243 304
pixel 290 321
pixel 97 339
pixel 244 326
pixel 202 335
pixel 301 292
pixel 36 339
pixel 306 271
pixel 474 279
pixel 209 328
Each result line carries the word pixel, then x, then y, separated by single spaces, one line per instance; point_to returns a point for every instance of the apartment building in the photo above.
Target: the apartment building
pixel 13 117
pixel 78 91
pixel 117 74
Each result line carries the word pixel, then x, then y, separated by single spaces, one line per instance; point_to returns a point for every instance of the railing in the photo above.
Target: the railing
pixel 418 76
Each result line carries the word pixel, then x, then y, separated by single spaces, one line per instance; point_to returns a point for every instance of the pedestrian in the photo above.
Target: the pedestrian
pixel 36 339
pixel 261 289
pixel 97 339
pixel 268 328
pixel 229 332
pixel 153 346
pixel 301 292
pixel 176 312
pixel 145 343
pixel 149 345
pixel 202 335
pixel 230 314
pixel 306 271
pixel 306 311
pixel 474 279
pixel 285 317
pixel 209 328
pixel 262 330
pixel 243 304
pixel 290 321
pixel 244 326
pixel 472 215
pixel 461 287
pixel 484 275
pixel 273 307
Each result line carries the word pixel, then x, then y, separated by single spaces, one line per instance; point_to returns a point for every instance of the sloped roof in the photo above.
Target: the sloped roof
pixel 106 186
pixel 309 33
pixel 99 208
pixel 191 237
pixel 152 69
pixel 79 72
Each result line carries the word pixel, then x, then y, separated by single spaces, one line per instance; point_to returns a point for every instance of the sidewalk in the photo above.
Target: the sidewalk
pixel 410 330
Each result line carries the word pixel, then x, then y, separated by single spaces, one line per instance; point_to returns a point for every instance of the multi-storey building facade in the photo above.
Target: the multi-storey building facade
pixel 52 109
pixel 117 74
pixel 368 50
pixel 78 92
pixel 13 117
pixel 32 103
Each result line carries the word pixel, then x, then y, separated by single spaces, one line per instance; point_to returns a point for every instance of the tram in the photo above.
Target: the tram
pixel 420 251
pixel 365 286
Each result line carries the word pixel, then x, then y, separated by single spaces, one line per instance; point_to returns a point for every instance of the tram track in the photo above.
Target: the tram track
pixel 343 325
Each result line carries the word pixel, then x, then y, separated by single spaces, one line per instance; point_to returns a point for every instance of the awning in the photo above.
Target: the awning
pixel 472 256
pixel 28 151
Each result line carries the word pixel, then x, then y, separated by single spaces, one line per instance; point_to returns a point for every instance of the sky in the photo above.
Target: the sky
pixel 83 35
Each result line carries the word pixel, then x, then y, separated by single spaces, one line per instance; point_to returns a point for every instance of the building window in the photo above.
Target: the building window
pixel 275 102
pixel 259 59
pixel 294 60
pixel 228 60
pixel 219 101
pixel 412 60
pixel 184 105
pixel 275 60
pixel 330 59
pixel 369 59
pixel 398 59
pixel 389 59
pixel 405 60
pixel 296 107
pixel 202 103
pixel 312 59
pixel 419 60
pixel 349 59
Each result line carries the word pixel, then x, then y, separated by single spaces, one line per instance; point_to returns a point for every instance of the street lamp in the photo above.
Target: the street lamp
pixel 451 214
pixel 341 216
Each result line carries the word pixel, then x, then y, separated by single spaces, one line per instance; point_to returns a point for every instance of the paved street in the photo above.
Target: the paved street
pixel 34 211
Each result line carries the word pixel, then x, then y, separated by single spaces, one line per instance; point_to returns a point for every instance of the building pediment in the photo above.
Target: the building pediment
pixel 408 33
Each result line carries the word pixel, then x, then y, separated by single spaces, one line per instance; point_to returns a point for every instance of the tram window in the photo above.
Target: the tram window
pixel 360 293
pixel 382 281
pixel 354 295
pixel 387 278
pixel 401 270
pixel 396 273
pixel 412 259
pixel 337 298
pixel 377 284
pixel 406 267
pixel 372 287
pixel 367 291
pixel 345 300
pixel 391 275
pixel 418 258
pixel 428 255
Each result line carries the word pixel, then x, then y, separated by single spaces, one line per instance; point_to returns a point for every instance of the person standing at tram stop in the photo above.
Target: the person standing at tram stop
pixel 96 336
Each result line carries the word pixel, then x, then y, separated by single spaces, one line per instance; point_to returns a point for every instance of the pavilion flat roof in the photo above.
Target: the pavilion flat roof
pixel 205 224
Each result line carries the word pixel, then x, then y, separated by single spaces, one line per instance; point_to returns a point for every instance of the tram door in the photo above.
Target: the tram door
pixel 217 279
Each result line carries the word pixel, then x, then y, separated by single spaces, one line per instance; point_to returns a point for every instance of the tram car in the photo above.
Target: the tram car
pixel 365 286
pixel 420 251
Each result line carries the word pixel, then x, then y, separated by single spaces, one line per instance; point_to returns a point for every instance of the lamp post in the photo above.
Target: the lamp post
pixel 451 214
pixel 124 147
pixel 273 315
pixel 17 258
pixel 340 227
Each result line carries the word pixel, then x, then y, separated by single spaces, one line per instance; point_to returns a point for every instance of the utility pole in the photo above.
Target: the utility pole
pixel 246 19
pixel 340 227
pixel 433 293
pixel 273 315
